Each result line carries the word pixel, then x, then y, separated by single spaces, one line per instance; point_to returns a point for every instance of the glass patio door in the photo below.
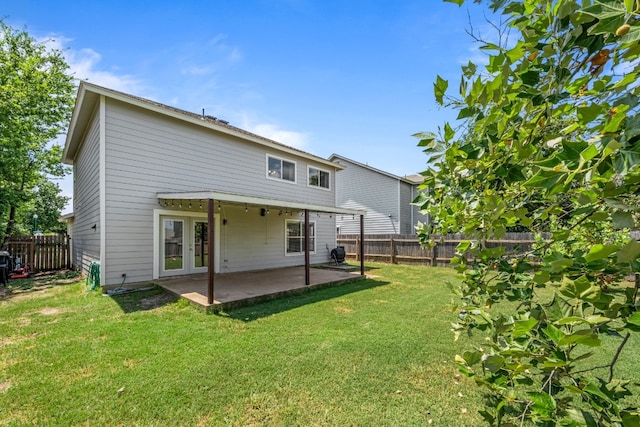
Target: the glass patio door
pixel 184 245
pixel 173 247
pixel 199 248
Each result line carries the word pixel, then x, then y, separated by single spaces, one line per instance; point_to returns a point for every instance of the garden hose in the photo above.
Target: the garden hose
pixel 93 278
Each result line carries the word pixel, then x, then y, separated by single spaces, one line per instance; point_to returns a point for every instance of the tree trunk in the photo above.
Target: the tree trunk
pixel 10 223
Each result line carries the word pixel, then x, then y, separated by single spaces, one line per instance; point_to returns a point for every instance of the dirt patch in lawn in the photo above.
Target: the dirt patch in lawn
pixel 4 386
pixel 155 301
pixel 50 311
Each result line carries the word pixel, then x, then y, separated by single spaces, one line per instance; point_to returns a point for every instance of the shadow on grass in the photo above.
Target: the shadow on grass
pixel 279 305
pixel 38 282
pixel 144 300
pixel 345 267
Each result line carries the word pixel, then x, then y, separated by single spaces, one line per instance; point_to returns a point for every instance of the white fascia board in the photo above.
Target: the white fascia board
pixel 251 200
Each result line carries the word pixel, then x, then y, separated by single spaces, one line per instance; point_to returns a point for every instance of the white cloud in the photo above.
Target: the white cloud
pixel 205 60
pixel 84 63
pixel 291 138
pixel 230 53
pixel 476 56
pixel 196 70
pixel 235 55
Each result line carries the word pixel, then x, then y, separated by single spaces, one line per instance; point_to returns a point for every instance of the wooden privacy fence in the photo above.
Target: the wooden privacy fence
pixel 397 248
pixel 41 253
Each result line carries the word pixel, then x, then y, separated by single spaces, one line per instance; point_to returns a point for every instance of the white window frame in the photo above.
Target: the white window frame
pixel 280 178
pixel 312 226
pixel 309 167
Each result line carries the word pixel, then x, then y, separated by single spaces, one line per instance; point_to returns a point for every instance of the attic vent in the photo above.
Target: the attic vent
pixel 214 118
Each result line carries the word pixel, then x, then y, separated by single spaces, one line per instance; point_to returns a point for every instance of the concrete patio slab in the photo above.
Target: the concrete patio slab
pixel 250 287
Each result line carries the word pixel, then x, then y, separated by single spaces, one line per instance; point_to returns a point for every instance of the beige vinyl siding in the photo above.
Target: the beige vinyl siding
pixel 167 155
pixel 86 199
pixel 147 153
pixel 250 241
pixel 361 188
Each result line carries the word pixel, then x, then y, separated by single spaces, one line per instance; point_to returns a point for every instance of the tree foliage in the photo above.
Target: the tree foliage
pixel 36 100
pixel 47 203
pixel 550 141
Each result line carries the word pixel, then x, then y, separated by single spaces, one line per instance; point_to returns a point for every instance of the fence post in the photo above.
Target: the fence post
pixel 32 254
pixel 69 252
pixel 393 250
pixel 434 255
pixel 357 248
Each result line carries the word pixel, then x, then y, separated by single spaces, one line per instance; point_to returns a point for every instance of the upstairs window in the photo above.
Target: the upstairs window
pixel 295 237
pixel 281 169
pixel 318 178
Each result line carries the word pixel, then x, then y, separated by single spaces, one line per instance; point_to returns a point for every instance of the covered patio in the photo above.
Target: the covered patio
pixel 224 289
pixel 250 287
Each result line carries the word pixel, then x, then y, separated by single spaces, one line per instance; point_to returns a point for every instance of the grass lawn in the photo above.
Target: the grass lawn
pixel 374 352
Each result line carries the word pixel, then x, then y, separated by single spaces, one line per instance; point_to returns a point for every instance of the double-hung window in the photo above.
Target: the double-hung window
pixel 295 237
pixel 281 169
pixel 318 177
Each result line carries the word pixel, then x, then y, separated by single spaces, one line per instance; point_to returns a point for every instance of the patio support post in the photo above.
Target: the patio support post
pixel 210 255
pixel 307 279
pixel 361 245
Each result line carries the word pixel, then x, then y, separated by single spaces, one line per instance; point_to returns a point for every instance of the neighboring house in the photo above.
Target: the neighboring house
pixel 145 174
pixel 385 197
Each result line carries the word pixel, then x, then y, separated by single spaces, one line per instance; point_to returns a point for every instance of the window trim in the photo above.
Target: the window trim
pixel 286 229
pixel 282 159
pixel 309 167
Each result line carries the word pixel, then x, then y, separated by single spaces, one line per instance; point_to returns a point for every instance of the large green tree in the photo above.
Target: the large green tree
pixel 36 100
pixel 548 139
pixel 47 203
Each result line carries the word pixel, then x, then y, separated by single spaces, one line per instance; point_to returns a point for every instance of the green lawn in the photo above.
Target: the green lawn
pixel 374 352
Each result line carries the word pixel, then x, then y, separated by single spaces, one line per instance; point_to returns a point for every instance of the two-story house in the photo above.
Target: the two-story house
pixel 155 187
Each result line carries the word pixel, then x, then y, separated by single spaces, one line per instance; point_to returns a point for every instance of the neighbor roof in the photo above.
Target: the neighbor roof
pixel 89 95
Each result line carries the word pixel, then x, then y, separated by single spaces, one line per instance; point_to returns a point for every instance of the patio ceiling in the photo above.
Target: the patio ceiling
pixel 257 201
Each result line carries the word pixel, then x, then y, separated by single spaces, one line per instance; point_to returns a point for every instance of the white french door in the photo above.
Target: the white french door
pixel 184 246
pixel 199 246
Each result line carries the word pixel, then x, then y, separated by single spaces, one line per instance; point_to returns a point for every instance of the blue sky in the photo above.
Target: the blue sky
pixel 348 77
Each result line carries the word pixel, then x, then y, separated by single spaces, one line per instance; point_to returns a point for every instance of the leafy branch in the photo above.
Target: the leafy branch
pixel 549 141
